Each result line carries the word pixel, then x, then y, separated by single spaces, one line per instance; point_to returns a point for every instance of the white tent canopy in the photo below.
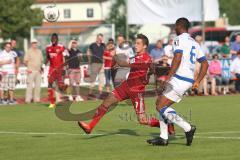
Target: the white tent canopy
pixel 155 32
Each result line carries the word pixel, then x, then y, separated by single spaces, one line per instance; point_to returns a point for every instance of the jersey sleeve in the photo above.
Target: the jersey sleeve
pixel 178 45
pixel 200 55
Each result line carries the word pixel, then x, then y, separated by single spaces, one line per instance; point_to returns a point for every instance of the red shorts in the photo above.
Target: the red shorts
pixel 123 92
pixel 55 75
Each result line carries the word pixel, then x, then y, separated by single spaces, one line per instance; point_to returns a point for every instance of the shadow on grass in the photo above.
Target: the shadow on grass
pixel 119 132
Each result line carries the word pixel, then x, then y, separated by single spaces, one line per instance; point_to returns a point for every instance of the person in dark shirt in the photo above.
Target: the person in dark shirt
pixel 19 54
pixel 73 61
pixel 95 60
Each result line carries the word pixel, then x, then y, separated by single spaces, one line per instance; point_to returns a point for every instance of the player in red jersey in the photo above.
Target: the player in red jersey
pixel 54 55
pixel 133 88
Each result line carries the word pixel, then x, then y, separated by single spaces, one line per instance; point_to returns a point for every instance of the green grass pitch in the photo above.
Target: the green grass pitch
pixel 32 132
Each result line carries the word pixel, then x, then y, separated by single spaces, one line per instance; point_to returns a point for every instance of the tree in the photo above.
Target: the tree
pixel 118 15
pixel 17 17
pixel 231 8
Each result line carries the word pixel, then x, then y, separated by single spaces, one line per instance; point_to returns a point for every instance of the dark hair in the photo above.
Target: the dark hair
pixel 143 38
pixel 111 40
pixel 55 35
pixel 183 22
pixel 215 55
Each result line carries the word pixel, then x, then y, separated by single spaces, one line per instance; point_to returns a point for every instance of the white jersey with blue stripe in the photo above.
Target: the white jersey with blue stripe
pixel 191 52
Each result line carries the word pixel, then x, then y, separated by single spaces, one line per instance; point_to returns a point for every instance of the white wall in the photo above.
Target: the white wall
pixel 79 10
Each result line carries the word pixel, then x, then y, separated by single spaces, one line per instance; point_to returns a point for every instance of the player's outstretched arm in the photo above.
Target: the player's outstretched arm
pixel 175 64
pixel 201 74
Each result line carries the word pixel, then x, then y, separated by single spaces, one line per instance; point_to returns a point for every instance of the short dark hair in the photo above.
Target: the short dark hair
pixel 55 35
pixel 183 22
pixel 214 55
pixel 143 38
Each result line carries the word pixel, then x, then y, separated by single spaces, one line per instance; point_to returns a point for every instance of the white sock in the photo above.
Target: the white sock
pixel 172 116
pixel 163 129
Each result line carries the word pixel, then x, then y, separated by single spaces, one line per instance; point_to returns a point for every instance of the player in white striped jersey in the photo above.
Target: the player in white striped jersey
pixel 180 79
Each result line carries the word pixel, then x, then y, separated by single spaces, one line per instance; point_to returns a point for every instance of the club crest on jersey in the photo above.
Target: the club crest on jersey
pixel 52 55
pixel 176 42
pixel 132 60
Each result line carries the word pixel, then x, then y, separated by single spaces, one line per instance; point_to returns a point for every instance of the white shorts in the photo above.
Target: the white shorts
pixel 176 89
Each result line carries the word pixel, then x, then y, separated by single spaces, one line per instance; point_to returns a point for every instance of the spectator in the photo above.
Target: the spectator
pixel 73 61
pixel 225 49
pixel 164 61
pixel 107 57
pixel 124 52
pixel 204 83
pixel 235 47
pixel 235 70
pixel 226 74
pixel 157 52
pixel 8 73
pixel 95 60
pixel 168 50
pixel 33 59
pixel 2 62
pixel 19 54
pixel 204 48
pixel 215 71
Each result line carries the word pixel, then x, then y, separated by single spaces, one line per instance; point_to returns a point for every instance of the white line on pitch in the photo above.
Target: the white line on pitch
pixel 222 132
pixel 102 134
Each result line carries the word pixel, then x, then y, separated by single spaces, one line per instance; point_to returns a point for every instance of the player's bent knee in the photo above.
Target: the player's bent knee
pixel 110 100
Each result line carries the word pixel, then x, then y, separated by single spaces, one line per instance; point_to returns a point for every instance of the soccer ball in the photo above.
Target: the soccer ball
pixel 51 13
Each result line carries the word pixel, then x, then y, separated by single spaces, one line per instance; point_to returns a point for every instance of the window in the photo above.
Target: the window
pixel 67 13
pixel 90 13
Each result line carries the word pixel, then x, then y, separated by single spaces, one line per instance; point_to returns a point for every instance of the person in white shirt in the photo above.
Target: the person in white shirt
pixel 8 73
pixel 204 84
pixel 235 71
pixel 180 78
pixel 124 52
pixel 168 49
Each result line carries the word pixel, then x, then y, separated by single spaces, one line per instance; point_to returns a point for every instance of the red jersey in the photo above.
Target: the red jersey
pixel 55 55
pixel 138 77
pixel 107 63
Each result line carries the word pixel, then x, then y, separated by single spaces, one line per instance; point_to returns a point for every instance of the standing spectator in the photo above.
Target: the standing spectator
pixel 204 83
pixel 226 74
pixel 215 71
pixel 225 49
pixel 235 70
pixel 2 62
pixel 235 47
pixel 8 73
pixel 95 60
pixel 157 52
pixel 168 50
pixel 123 52
pixel 73 61
pixel 33 59
pixel 19 54
pixel 107 57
